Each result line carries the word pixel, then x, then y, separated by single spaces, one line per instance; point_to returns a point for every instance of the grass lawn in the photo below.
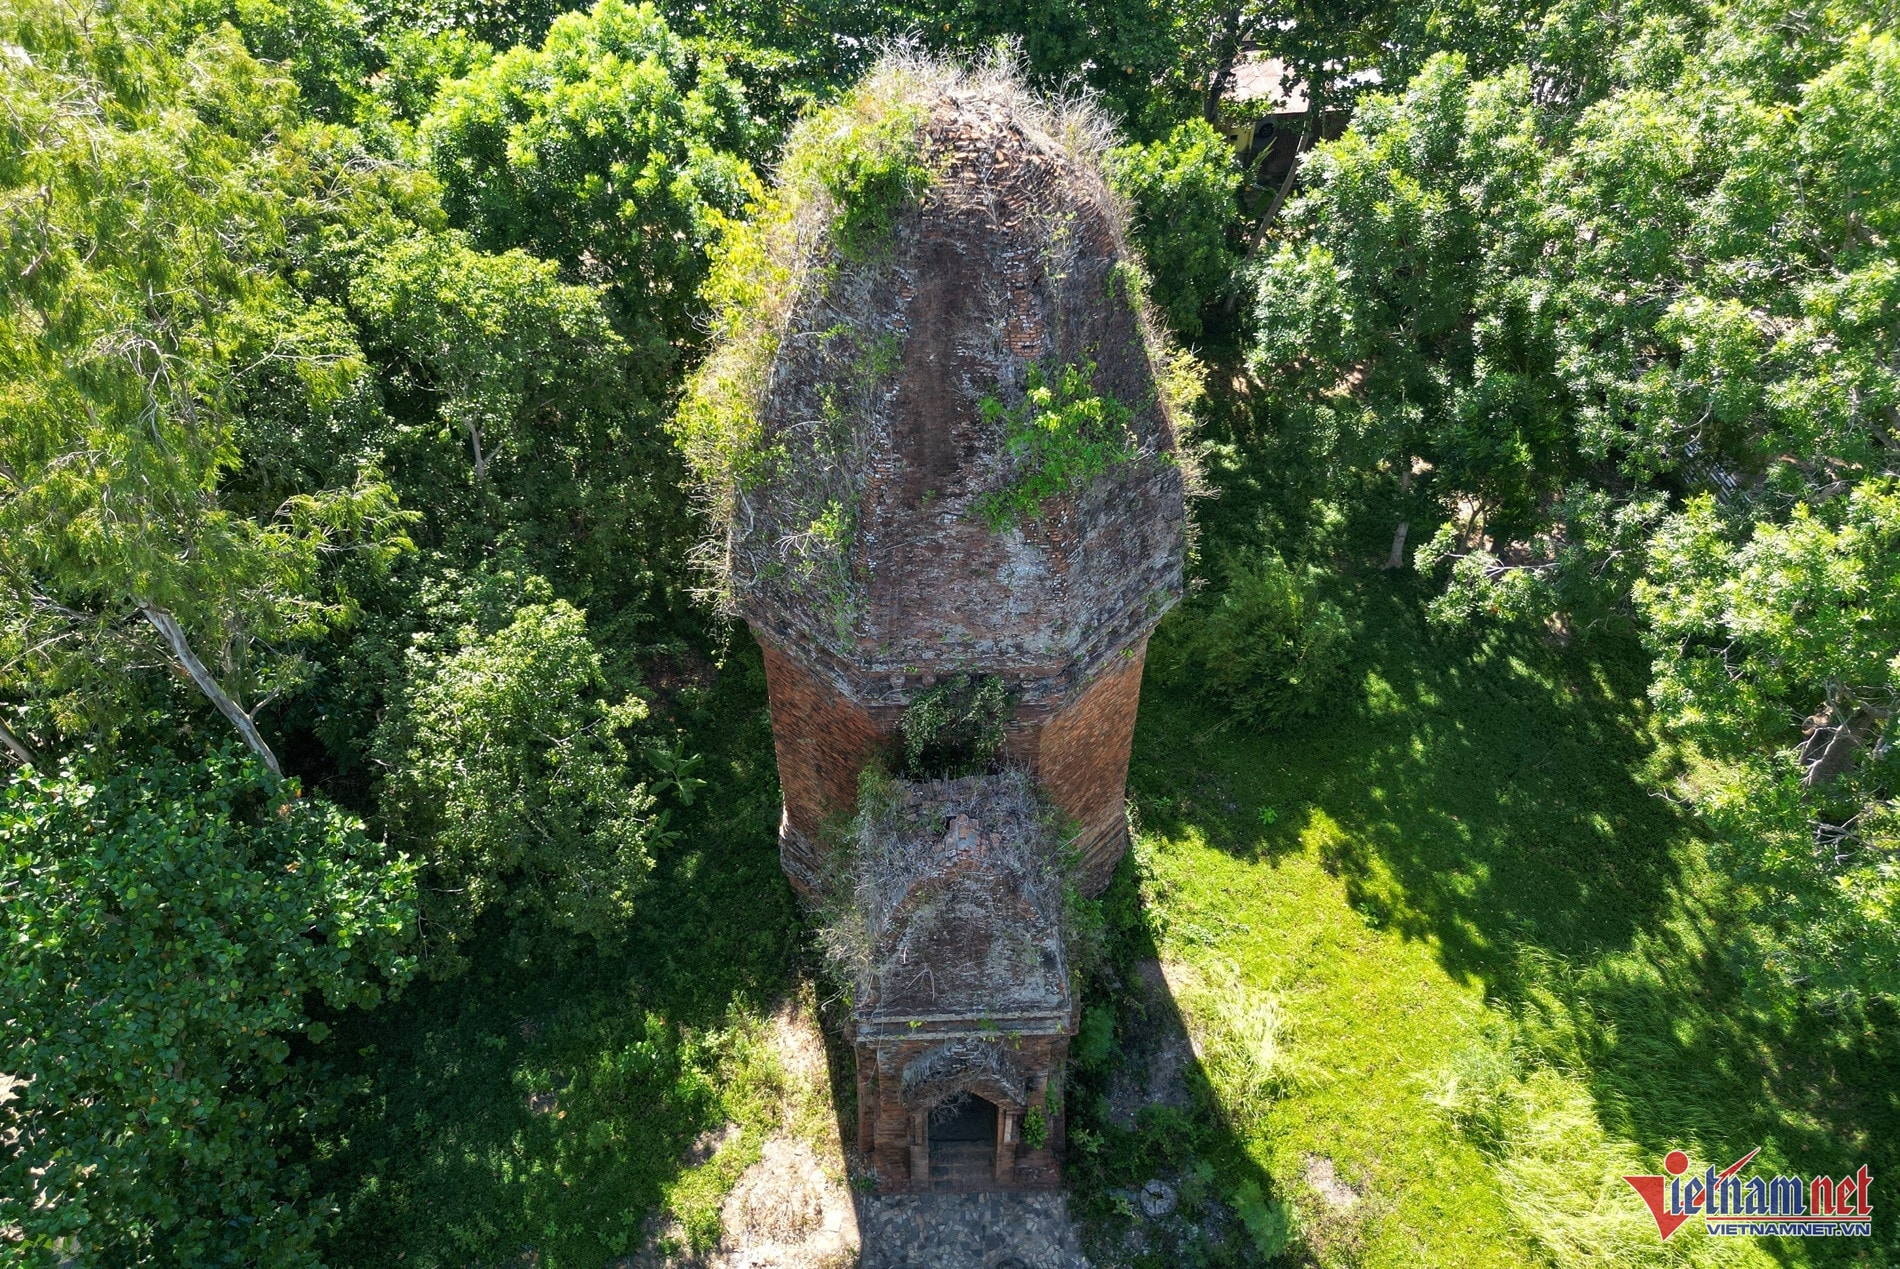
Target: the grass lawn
pixel 1494 961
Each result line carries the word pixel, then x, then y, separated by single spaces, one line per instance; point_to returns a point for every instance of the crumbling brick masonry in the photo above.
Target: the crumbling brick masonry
pixel 864 549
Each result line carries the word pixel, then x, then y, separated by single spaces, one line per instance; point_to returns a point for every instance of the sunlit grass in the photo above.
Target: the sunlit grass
pixel 1362 1016
pixel 1496 959
pixel 1449 963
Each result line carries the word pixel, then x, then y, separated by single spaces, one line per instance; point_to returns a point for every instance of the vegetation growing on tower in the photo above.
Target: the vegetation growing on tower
pixel 956 727
pixel 817 298
pixel 1059 438
pixel 848 172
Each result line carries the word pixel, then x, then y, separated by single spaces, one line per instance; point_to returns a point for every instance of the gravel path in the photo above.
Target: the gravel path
pixel 968 1231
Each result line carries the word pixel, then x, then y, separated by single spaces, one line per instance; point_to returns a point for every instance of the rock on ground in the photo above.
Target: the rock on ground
pixel 786 1213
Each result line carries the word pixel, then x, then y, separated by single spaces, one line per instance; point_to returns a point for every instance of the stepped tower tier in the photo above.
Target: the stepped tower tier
pixel 951 934
pixel 939 436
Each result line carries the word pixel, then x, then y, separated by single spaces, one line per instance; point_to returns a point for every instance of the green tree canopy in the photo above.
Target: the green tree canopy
pixel 1652 268
pixel 1778 662
pixel 1524 293
pixel 613 149
pixel 165 929
pixel 143 234
pixel 1184 190
pixel 510 775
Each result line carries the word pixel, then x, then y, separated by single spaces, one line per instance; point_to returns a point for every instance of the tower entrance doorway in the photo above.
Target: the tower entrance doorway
pixel 963 1143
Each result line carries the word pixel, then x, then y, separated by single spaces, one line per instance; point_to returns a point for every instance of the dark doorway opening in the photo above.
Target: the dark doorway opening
pixel 963 1142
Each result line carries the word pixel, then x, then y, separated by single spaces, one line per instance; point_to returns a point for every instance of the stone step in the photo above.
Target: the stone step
pixel 962 1161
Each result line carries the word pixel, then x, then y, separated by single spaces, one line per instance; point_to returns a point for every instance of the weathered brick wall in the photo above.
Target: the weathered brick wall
pixel 1078 750
pixel 1013 261
pixel 885 1121
pixel 823 741
pixel 1081 757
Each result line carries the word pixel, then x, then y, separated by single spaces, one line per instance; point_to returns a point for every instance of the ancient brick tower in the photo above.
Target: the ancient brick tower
pixel 863 551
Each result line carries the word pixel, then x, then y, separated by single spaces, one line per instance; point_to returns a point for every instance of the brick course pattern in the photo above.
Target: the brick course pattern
pixel 963 989
pixel 824 739
pixel 1011 260
pixel 895 1134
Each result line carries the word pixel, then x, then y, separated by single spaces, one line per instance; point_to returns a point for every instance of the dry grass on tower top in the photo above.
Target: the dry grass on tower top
pixel 962 879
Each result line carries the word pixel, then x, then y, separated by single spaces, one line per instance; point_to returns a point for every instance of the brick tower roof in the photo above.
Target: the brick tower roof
pixel 958 914
pixel 864 547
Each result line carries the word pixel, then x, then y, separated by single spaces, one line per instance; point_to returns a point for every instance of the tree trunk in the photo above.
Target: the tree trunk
pixel 1279 197
pixel 1227 52
pixel 174 635
pixel 18 748
pixel 1397 558
pixel 475 444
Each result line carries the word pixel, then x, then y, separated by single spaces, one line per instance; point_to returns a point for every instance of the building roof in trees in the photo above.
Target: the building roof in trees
pixel 1258 77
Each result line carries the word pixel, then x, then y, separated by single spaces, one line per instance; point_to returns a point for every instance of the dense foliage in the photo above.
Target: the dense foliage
pixel 1184 192
pixel 162 185
pixel 1803 616
pixel 282 411
pixel 1624 329
pixel 167 928
pixel 956 727
pixel 1269 646
pixel 612 149
pixel 512 781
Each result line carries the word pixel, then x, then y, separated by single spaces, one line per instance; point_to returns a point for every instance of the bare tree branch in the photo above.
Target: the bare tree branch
pixel 18 748
pixel 167 625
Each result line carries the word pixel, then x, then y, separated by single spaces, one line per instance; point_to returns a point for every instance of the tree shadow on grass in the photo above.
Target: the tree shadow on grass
pixel 1486 795
pixel 543 1100
pixel 1472 794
